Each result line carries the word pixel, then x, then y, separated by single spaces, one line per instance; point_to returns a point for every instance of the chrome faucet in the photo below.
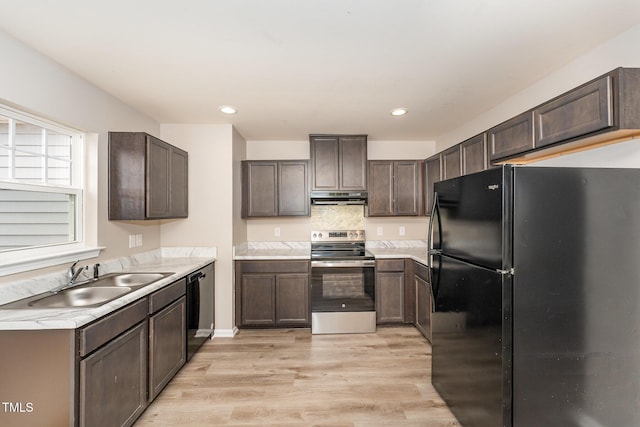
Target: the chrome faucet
pixel 72 276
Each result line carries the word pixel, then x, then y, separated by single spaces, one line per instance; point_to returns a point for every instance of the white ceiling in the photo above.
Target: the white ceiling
pixel 294 67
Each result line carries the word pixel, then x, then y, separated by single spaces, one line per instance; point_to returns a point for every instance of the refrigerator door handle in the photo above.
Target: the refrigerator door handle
pixel 430 250
pixel 433 287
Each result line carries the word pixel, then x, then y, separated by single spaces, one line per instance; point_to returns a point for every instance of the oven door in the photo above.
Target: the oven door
pixel 342 286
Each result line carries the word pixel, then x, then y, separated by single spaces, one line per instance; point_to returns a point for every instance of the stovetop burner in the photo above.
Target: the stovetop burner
pixel 339 244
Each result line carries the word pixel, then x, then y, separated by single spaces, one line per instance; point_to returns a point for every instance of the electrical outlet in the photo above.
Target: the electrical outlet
pixel 132 241
pixel 379 231
pixel 401 230
pixel 276 231
pixel 138 239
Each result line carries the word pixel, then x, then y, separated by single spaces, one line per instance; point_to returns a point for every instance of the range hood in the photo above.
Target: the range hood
pixel 338 197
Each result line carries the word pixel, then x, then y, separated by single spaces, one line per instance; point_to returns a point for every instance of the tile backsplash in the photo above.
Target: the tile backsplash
pixel 350 217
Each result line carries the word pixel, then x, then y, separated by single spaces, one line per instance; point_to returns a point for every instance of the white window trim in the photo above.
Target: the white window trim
pixel 31 259
pixel 28 259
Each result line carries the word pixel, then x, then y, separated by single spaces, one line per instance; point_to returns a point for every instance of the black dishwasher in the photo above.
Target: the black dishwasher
pixel 200 308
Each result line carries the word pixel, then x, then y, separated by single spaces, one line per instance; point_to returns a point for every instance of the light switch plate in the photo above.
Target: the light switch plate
pixel 401 231
pixel 138 239
pixel 379 231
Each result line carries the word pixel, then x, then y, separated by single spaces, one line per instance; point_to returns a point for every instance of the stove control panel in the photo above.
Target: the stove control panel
pixel 338 236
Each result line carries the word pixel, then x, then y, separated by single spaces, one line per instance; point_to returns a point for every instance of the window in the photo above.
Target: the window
pixel 41 188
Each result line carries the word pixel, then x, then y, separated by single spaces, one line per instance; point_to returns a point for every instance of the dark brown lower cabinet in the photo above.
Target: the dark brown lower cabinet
pixel 258 307
pixel 424 302
pixel 167 345
pixel 127 357
pixel 390 297
pixel 394 299
pixel 113 381
pixel 272 294
pixel 292 299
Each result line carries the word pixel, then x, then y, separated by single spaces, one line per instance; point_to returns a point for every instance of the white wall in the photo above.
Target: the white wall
pixel 277 150
pixel 620 51
pixel 36 84
pixel 211 204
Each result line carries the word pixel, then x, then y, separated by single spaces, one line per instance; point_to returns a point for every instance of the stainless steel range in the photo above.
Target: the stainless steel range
pixel 342 283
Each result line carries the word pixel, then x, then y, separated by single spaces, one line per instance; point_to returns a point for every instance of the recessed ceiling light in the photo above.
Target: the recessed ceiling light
pixel 399 111
pixel 228 109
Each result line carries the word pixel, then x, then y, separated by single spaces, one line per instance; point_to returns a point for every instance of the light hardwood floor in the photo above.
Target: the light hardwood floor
pixel 292 378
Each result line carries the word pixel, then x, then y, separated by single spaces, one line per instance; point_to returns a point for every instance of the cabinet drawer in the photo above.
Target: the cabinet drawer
pixel 390 265
pixel 577 113
pixel 166 295
pixel 96 334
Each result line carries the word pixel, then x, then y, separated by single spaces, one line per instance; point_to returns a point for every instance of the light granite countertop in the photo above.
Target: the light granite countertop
pixel 179 261
pixel 414 249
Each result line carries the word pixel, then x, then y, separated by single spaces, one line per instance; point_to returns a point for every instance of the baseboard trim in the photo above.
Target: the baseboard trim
pixel 225 333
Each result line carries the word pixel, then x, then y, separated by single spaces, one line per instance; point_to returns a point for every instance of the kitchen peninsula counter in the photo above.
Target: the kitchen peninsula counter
pixel 179 261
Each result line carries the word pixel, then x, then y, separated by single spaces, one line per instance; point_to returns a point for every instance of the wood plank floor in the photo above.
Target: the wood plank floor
pixel 292 378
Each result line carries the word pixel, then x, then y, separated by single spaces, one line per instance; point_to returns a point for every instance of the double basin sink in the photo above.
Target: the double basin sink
pixel 91 293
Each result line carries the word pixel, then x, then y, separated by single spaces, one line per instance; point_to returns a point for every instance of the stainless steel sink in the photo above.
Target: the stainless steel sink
pixel 81 297
pixel 131 280
pixel 91 293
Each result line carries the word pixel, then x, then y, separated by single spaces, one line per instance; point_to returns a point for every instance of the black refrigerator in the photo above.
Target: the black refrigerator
pixel 536 296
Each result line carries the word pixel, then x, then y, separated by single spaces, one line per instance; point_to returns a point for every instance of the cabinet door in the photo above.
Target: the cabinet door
pixel 167 345
pixel 324 162
pixel 113 381
pixel 407 187
pixel 158 204
pixel 258 305
pixel 433 175
pixel 292 300
pixel 390 297
pixel 381 188
pixel 474 154
pixel 179 198
pixel 512 137
pixel 586 109
pixel 451 163
pixel 293 188
pixel 260 188
pixel 423 306
pixel 353 163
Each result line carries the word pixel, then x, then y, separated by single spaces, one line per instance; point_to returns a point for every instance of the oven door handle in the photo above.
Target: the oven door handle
pixel 344 263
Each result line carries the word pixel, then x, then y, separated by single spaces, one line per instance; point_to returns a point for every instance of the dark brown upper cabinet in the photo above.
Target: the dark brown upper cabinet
pixel 433 174
pixel 451 162
pixel 511 137
pixel 474 154
pixel 275 188
pixel 395 188
pixel 148 178
pixel 602 111
pixel 586 109
pixel 338 162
